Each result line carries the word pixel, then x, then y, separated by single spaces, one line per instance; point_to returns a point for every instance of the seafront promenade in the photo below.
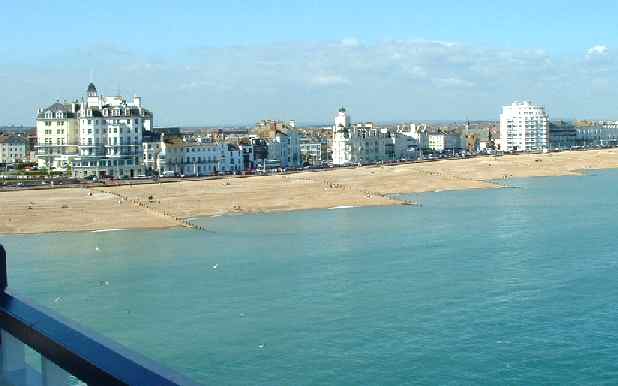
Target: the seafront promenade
pixel 171 204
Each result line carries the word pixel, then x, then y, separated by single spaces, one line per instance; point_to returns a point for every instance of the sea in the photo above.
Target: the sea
pixel 515 286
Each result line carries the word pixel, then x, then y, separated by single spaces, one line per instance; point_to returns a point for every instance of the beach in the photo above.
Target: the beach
pixel 169 204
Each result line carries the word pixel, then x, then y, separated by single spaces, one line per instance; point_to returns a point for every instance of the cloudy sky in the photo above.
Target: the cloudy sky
pixel 234 62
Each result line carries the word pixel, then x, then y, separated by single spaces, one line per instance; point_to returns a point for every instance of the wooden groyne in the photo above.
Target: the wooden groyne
pixel 147 206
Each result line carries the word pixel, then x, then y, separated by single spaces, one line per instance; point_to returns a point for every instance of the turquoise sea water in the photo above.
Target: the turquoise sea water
pixel 511 286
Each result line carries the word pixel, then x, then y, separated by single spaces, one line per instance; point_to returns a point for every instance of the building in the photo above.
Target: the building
pixel 562 135
pixel 57 131
pixel 13 149
pixel 110 136
pixel 314 151
pixel 363 143
pixel 404 146
pixel 524 126
pixel 602 133
pixel 283 142
pixel 192 158
pixel 342 120
pixel 473 143
pixel 442 142
pixel 360 143
pixel 151 152
pixel 418 132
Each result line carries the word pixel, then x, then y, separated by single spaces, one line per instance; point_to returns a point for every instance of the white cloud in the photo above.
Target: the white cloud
pixel 409 79
pixel 598 50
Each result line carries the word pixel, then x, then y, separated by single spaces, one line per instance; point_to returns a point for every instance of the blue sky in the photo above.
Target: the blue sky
pixel 209 63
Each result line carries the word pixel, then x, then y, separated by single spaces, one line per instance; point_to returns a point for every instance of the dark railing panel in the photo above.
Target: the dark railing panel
pixel 91 358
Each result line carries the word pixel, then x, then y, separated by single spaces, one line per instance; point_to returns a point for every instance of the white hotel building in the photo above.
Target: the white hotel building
pixel 110 136
pixel 99 136
pixel 524 126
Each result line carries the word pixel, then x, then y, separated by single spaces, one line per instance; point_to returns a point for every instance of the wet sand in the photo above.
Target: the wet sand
pixel 166 205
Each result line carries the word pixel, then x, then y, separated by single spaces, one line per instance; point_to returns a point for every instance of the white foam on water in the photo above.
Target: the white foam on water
pixel 342 207
pixel 107 230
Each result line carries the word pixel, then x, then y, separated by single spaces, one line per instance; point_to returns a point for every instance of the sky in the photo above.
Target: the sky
pixel 209 63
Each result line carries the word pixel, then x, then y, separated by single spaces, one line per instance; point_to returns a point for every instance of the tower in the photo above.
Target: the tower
pixel 92 90
pixel 342 120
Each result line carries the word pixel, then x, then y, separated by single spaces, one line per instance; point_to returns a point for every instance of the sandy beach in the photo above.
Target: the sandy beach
pixel 166 205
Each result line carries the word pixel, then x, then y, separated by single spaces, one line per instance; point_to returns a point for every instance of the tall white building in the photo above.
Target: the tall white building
pixel 524 126
pixel 110 136
pixel 97 136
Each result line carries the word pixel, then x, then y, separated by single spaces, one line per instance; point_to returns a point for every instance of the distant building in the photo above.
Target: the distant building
pixel 314 151
pixel 283 142
pixel 562 135
pixel 342 119
pixel 110 136
pixel 419 133
pixel 255 153
pixel 473 142
pixel 444 142
pixel 97 136
pixel 524 126
pixel 190 158
pixel 13 149
pixel 152 152
pixel 361 143
pixel 57 128
pixel 365 143
pixel 599 134
pixel 404 146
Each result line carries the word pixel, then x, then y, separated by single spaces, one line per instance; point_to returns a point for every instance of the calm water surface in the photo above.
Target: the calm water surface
pixel 511 286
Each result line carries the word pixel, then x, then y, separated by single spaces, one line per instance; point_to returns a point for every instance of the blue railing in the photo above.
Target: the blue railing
pixel 68 352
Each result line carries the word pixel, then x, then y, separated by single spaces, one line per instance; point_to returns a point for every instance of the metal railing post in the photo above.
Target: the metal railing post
pixel 3 280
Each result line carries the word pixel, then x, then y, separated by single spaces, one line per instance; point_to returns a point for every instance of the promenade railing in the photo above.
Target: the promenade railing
pixel 69 354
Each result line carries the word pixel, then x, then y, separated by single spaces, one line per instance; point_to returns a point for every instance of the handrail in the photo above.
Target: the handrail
pixel 84 354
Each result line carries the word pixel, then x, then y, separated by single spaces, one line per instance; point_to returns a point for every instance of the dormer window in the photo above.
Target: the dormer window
pixel 59 114
pixel 48 115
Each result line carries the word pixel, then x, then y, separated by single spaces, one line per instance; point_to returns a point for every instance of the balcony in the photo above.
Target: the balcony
pixel 67 352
